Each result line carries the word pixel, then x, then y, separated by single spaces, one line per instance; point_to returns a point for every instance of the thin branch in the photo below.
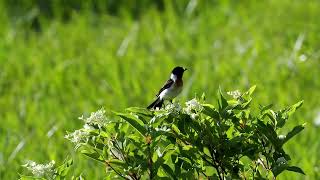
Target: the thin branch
pixel 108 164
pixel 207 161
pixel 265 150
pixel 203 174
pixel 215 165
pixel 150 163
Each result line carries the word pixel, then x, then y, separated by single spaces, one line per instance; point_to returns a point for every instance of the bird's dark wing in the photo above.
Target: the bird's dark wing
pixel 166 86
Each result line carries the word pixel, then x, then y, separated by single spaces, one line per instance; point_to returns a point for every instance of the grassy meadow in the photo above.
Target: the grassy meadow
pixel 56 66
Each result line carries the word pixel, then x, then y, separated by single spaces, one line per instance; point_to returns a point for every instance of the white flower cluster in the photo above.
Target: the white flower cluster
pixel 163 128
pixel 193 108
pixel 77 137
pixel 96 118
pixel 41 170
pixel 235 94
pixel 172 108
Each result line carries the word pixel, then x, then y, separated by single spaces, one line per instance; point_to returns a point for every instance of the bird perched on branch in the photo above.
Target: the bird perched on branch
pixel 170 89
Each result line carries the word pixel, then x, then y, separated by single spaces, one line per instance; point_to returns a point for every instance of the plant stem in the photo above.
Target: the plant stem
pixel 150 163
pixel 108 164
pixel 215 165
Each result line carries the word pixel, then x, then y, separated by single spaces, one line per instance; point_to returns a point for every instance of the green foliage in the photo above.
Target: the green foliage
pixel 48 171
pixel 194 141
pixel 88 59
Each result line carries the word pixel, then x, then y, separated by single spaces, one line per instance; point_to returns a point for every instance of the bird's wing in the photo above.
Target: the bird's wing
pixel 166 86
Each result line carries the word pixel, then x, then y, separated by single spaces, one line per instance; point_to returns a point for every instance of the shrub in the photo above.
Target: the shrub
pixel 198 140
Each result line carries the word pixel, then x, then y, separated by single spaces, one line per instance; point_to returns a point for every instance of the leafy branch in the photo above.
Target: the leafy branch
pixel 195 140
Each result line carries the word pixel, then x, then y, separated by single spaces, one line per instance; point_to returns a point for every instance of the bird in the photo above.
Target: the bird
pixel 170 89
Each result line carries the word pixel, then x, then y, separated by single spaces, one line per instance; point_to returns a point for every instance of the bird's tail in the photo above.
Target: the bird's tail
pixel 157 103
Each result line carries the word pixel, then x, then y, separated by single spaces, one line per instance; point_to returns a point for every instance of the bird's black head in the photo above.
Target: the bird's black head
pixel 178 71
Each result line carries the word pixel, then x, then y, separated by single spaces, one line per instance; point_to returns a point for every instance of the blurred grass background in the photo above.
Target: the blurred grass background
pixel 60 59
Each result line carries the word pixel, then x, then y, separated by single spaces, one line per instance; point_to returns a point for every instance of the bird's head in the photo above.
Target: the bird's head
pixel 178 71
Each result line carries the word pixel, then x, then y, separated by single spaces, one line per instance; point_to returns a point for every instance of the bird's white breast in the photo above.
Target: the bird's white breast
pixel 170 93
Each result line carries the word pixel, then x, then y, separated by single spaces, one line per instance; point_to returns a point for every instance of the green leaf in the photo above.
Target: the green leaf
pixel 62 170
pixel 117 163
pixel 279 168
pixel 92 154
pixel 222 101
pixel 23 177
pixel 139 110
pixel 209 170
pixel 293 108
pixel 134 121
pixel 144 114
pixel 196 125
pixel 295 169
pixel 157 164
pixel 169 171
pixel 294 132
pixel 269 132
pixel 283 115
pixel 263 109
pixel 211 111
pixel 251 90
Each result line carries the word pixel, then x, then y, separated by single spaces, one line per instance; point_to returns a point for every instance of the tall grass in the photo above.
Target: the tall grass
pixel 51 74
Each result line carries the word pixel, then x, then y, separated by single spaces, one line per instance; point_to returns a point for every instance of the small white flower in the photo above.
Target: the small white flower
pixel 282 137
pixel 193 108
pixel 41 170
pixel 235 94
pixel 163 128
pixel 159 116
pixel 173 108
pixel 77 137
pixel 86 126
pixel 193 105
pixel 96 118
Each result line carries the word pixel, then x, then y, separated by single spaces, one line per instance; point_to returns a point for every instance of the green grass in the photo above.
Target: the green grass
pixel 49 78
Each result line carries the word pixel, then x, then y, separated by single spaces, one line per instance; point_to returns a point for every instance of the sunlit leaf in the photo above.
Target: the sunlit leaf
pixel 294 107
pixel 296 130
pixel 134 121
pixel 222 101
pixel 279 169
pixel 63 170
pixel 169 171
pixel 92 154
pixel 295 169
pixel 211 111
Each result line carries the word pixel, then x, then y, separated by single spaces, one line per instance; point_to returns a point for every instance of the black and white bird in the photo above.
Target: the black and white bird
pixel 170 89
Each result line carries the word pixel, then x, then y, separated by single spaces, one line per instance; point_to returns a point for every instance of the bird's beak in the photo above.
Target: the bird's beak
pixel 185 69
